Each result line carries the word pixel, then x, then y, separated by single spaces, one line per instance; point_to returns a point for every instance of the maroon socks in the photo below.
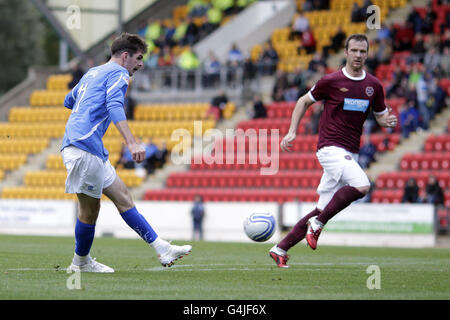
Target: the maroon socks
pixel 341 200
pixel 298 232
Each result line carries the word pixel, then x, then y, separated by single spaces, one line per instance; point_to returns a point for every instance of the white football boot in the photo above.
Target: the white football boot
pixel 90 266
pixel 174 253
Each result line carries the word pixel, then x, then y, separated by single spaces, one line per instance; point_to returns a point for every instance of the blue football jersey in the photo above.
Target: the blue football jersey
pixel 95 101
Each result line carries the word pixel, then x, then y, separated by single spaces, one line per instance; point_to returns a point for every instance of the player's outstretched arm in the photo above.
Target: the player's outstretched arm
pixel 297 114
pixel 387 119
pixel 136 150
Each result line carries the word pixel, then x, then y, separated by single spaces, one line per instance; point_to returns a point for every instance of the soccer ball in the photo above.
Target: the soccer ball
pixel 259 226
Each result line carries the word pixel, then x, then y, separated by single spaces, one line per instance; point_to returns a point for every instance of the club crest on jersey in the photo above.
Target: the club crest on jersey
pixel 343 89
pixel 369 91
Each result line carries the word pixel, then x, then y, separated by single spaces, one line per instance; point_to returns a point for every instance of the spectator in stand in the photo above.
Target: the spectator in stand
pixel 403 38
pixel 77 73
pixel 300 25
pixel 409 118
pixel 437 97
pixel 226 6
pixel 372 62
pixel 384 32
pixel 312 127
pixel 299 80
pixel 214 17
pixel 385 51
pixel 422 98
pixel 432 60
pixel 126 159
pixel 337 42
pixel 356 16
pixel 188 60
pixel 166 58
pixel 259 109
pixel 169 32
pixel 367 152
pixel 364 7
pixel 151 150
pixel 434 192
pixel 281 84
pixel 211 70
pixel 192 33
pixel 180 32
pixel 249 69
pixel 411 192
pixel 316 62
pixel 268 60
pixel 235 60
pixel 428 21
pixel 416 21
pixel 154 30
pixel 307 42
pixel 445 62
pixel 218 103
pixel 418 49
pixel 197 8
pixel 398 75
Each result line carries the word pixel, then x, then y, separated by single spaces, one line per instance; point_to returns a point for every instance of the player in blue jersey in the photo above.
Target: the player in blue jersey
pixel 96 101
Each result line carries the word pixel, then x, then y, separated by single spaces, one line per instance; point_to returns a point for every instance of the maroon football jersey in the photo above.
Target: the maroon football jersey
pixel 347 101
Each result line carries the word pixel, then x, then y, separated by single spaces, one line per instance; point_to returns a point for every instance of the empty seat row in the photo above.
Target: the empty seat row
pixel 438 143
pixel 233 194
pixel 41 192
pixel 58 178
pixel 38 114
pixel 171 112
pixel 240 179
pixel 40 98
pixel 251 141
pixel 245 161
pixel 395 196
pixel 162 128
pixel 426 161
pixel 32 130
pixel 22 145
pixel 397 180
pixel 58 81
pixel 12 161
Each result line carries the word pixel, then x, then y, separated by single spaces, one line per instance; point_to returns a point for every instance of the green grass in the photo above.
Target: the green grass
pixel 34 268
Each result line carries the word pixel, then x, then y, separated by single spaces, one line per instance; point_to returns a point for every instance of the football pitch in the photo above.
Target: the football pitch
pixel 33 267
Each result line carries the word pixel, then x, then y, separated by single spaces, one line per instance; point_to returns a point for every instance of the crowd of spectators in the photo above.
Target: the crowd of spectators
pixel 432 192
pixel 155 157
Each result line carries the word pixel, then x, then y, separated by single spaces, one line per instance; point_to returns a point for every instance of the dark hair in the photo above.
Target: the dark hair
pixel 130 43
pixel 357 37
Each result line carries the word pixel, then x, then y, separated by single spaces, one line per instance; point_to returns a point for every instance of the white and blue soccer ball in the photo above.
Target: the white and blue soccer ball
pixel 259 226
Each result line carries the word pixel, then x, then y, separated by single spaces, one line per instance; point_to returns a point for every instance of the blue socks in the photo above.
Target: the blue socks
pixel 138 223
pixel 84 236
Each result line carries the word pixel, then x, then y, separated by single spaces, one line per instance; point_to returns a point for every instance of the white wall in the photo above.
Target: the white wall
pixel 252 26
pixel 388 225
pixel 95 26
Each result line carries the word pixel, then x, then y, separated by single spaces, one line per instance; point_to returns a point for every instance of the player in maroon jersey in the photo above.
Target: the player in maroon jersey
pixel 348 96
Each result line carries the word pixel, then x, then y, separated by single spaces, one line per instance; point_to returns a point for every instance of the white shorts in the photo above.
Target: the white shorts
pixel 340 168
pixel 86 173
